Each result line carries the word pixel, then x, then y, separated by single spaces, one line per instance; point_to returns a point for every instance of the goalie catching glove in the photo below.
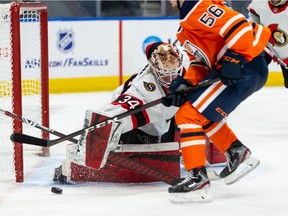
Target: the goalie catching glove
pixel 176 95
pixel 231 67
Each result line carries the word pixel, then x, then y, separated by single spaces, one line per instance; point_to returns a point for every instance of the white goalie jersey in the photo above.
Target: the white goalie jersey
pixel 276 19
pixel 146 86
pixel 93 148
pixel 140 89
pixel 133 134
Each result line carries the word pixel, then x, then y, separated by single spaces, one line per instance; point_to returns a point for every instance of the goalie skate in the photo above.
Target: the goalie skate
pixel 246 167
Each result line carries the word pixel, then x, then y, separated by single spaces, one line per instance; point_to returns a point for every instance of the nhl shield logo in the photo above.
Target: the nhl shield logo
pixel 65 41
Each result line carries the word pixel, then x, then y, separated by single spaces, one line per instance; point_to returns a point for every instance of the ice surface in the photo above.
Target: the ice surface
pixel 261 122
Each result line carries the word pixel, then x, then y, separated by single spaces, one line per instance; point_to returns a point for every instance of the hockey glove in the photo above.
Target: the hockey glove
pixel 231 67
pixel 175 95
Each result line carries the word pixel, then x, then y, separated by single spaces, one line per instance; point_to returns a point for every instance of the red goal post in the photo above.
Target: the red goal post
pixel 23 81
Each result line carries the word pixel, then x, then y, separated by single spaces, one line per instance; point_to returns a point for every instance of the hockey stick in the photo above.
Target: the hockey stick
pixel 23 138
pixel 275 56
pixel 30 122
pixel 113 157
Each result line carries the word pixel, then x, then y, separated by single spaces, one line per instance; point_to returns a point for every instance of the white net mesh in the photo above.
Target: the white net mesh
pixel 31 72
pixel 31 83
pixel 6 148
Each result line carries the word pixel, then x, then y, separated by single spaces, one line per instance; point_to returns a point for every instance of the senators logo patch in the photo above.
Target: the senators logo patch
pixel 149 86
pixel 278 36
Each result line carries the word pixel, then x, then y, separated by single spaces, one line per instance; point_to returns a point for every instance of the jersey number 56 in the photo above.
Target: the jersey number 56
pixel 213 13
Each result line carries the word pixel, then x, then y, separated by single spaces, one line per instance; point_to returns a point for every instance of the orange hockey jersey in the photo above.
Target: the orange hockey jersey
pixel 208 28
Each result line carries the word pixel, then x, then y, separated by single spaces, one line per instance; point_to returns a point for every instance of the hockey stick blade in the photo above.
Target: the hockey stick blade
pixel 23 138
pixel 33 124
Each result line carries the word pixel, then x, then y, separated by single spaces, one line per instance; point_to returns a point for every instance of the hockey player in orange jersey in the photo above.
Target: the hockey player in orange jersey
pixel 220 43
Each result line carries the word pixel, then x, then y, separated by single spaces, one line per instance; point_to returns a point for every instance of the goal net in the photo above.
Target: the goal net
pixel 23 82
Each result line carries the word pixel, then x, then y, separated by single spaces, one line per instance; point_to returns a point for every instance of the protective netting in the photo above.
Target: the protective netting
pixel 31 82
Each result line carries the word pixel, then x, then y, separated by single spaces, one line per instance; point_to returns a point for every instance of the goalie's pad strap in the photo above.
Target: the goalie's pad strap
pixel 154 147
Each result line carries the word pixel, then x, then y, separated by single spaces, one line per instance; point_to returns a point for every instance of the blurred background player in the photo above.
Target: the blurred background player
pixel 220 43
pixel 153 125
pixel 274 15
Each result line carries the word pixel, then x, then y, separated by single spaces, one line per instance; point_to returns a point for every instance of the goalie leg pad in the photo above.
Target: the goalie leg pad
pixel 93 147
pixel 162 158
pixel 72 151
pixel 101 141
pixel 77 153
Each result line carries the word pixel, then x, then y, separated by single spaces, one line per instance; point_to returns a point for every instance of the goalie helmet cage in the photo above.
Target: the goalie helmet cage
pixel 23 81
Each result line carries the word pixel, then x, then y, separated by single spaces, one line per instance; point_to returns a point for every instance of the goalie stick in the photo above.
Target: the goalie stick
pixel 113 157
pixel 29 122
pixel 23 138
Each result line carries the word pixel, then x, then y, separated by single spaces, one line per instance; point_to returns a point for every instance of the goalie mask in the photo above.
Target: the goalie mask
pixel 166 62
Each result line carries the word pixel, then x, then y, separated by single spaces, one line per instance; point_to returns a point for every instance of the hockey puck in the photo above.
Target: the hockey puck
pixel 56 190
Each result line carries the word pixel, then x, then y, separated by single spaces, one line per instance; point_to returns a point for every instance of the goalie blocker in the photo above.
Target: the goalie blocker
pixel 87 161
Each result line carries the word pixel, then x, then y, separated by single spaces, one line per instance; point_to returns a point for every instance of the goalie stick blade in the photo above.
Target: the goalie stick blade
pixel 23 138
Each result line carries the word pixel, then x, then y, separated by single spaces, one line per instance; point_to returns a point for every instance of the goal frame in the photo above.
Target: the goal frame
pixel 15 10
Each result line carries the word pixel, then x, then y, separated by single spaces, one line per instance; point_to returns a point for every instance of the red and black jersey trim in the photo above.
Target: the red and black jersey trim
pixel 138 119
pixel 128 83
pixel 253 12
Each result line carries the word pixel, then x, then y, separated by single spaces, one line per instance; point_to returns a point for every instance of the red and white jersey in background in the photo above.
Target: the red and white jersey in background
pixel 141 89
pixel 276 19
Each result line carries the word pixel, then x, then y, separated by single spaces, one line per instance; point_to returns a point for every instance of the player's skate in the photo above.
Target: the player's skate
pixel 237 155
pixel 193 188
